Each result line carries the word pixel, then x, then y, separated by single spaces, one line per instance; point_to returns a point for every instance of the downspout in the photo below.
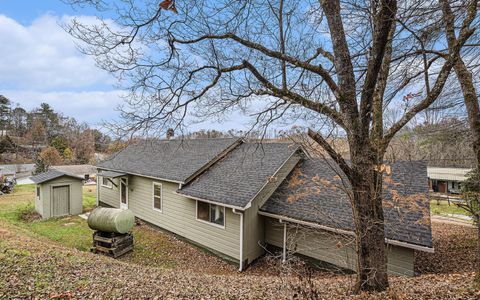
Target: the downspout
pixel 284 250
pixel 98 189
pixel 241 238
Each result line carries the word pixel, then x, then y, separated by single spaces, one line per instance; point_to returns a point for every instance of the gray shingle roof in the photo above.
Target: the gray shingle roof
pixel 174 160
pixel 52 174
pixel 239 176
pixel 79 170
pixel 111 174
pixel 314 192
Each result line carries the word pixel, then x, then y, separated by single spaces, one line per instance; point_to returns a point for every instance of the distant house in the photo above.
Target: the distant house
pixel 237 198
pixel 446 180
pixel 85 171
pixel 18 170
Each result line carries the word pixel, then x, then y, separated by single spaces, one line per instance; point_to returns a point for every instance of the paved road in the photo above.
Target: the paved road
pixel 24 181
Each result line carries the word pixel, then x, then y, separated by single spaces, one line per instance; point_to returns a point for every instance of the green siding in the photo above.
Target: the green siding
pixel 332 248
pixel 110 196
pixel 254 234
pixel 39 203
pixel 178 215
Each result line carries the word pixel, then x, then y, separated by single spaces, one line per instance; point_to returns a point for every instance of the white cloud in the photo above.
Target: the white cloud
pixel 40 63
pixel 92 107
pixel 42 56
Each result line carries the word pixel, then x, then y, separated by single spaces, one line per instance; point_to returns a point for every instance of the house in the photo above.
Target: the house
pixel 85 171
pixel 17 170
pixel 58 194
pixel 236 198
pixel 446 180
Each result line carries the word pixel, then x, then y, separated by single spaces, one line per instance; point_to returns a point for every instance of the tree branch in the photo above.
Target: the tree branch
pixel 317 69
pixel 292 96
pixel 317 137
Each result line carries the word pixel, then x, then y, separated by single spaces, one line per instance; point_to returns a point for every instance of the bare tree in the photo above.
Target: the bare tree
pixel 464 75
pixel 322 62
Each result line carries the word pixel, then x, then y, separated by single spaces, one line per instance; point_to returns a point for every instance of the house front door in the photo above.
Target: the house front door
pixel 442 187
pixel 124 193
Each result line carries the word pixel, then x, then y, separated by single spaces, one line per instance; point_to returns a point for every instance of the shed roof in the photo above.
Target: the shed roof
pixel 240 175
pixel 52 174
pixel 170 160
pixel 455 174
pixel 315 192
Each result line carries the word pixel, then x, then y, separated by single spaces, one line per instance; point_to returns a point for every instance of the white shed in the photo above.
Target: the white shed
pixel 58 194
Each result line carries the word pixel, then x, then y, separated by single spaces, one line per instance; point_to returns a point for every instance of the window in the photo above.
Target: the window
pixel 157 196
pixel 211 213
pixel 38 192
pixel 106 182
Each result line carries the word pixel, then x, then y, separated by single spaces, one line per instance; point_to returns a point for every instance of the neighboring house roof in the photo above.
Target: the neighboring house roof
pixel 456 174
pixel 18 168
pixel 76 169
pixel 238 177
pixel 314 192
pixel 52 174
pixel 170 160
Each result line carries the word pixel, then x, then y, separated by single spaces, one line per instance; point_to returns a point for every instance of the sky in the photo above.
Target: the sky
pixel 40 63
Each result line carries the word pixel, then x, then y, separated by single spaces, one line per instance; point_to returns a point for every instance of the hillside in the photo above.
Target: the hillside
pixel 32 266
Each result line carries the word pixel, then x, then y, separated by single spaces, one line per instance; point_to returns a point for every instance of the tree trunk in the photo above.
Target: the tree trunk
pixel 369 224
pixel 477 258
pixel 366 198
pixel 471 103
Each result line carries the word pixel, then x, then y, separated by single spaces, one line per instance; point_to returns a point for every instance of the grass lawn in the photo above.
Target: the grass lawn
pixel 70 231
pixel 89 197
pixel 151 247
pixel 442 208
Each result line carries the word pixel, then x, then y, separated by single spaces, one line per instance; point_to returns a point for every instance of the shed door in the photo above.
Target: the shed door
pixel 60 201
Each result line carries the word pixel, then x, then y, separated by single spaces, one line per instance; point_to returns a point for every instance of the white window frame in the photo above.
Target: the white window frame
pixel 153 196
pixel 109 186
pixel 208 222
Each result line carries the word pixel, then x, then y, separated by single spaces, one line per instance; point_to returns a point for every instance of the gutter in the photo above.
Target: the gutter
pixel 240 269
pixel 345 232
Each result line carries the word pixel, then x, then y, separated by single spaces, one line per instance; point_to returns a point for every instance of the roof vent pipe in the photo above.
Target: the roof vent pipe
pixel 170 133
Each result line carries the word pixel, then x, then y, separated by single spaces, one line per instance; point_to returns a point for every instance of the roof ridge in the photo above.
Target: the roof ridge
pixel 216 159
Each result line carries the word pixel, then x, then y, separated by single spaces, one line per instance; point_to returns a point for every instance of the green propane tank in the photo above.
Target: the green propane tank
pixel 111 220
